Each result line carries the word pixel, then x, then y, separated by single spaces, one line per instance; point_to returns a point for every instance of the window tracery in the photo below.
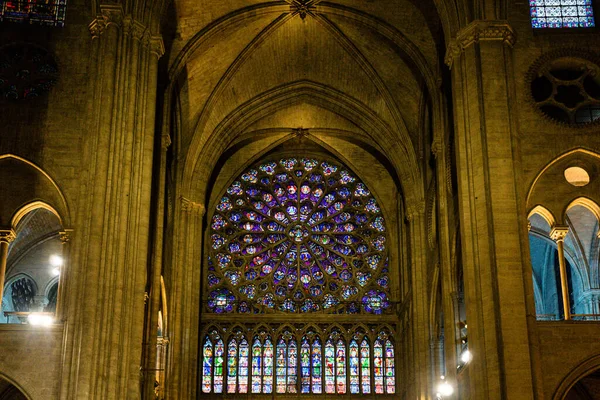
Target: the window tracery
pixel 298 235
pixel 300 359
pixel 42 12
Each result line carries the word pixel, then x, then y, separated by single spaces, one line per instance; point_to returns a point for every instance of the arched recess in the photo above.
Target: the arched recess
pixel 550 188
pixel 11 390
pixel 204 154
pixel 365 166
pixel 30 187
pixel 584 369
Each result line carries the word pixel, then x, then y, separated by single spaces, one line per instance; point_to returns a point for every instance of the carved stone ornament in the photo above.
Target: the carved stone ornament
pixel 558 233
pixel 478 31
pixel 414 211
pixel 190 206
pixel 7 236
pixel 303 7
pixel 165 141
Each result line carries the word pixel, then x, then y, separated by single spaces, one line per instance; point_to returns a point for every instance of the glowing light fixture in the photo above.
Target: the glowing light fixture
pixel 40 319
pixel 466 356
pixel 445 389
pixel 56 261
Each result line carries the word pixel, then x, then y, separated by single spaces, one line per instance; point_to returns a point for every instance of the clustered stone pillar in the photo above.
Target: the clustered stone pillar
pixel 558 234
pixel 6 238
pixel 105 324
pixel 182 364
pixel 480 58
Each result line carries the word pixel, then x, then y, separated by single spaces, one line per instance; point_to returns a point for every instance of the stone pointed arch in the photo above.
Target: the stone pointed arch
pixel 31 187
pixel 544 213
pixel 396 145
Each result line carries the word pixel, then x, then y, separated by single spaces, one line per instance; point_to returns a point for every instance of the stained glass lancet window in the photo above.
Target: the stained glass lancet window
pixel 561 13
pixel 321 368
pixel 43 12
pixel 298 235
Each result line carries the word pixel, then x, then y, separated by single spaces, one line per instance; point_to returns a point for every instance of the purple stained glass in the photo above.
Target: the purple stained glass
pixel 561 14
pixel 221 301
pixel 305 231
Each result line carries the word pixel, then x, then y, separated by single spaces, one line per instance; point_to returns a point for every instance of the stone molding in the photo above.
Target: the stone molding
pixel 65 236
pixel 112 14
pixel 7 236
pixel 189 206
pixel 558 233
pixel 412 212
pixel 165 141
pixel 478 31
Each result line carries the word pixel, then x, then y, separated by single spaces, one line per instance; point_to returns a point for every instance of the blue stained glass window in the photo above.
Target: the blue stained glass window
pixel 340 363
pixel 305 365
pixel 306 233
pixel 354 368
pixel 256 366
pixel 292 366
pixel 316 366
pixel 243 366
pixel 561 13
pixel 218 377
pixel 232 370
pixel 329 367
pixel 207 364
pixel 365 367
pixel 43 12
pixel 281 365
pixel 268 367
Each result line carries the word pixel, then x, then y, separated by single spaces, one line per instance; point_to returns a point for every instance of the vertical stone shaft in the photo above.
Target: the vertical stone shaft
pixel 6 237
pixel 112 249
pixel 558 234
pixel 489 211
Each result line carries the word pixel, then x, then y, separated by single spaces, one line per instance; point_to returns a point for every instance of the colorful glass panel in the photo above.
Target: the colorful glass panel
pixel 378 366
pixel 316 367
pixel 298 235
pixel 281 367
pixel 43 12
pixel 354 368
pixel 218 376
pixel 561 13
pixel 390 373
pixel 365 367
pixel 232 368
pixel 207 363
pixel 292 367
pixel 329 367
pixel 305 365
pixel 243 366
pixel 340 365
pixel 256 366
pixel 268 367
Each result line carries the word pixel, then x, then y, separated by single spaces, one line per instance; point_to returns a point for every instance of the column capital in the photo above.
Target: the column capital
pixel 477 31
pixel 414 211
pixel 7 236
pixel 65 236
pixel 189 206
pixel 165 141
pixel 558 233
pixel 109 14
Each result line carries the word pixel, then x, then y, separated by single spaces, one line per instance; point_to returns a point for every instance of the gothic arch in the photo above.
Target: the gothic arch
pixel 580 371
pixel 8 386
pixel 202 156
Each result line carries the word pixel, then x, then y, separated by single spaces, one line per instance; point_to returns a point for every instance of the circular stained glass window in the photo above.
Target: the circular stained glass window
pixel 26 71
pixel 299 235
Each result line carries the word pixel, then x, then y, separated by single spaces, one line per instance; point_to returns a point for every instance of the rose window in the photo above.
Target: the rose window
pixel 298 235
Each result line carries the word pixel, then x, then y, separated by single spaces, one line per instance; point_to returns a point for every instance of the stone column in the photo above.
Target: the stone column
pixel 105 324
pixel 419 301
pixel 6 238
pixel 61 311
pixel 151 340
pixel 185 301
pixel 558 234
pixel 491 212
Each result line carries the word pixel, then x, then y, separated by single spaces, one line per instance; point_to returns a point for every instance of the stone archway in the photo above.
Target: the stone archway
pixel 8 391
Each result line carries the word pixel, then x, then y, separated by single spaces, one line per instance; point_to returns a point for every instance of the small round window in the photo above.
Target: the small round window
pixel 577 176
pixel 567 89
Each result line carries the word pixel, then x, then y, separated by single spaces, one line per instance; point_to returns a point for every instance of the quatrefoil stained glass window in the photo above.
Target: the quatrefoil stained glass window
pixel 298 235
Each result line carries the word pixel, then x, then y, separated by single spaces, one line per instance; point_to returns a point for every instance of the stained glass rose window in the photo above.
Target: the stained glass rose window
pixel 298 235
